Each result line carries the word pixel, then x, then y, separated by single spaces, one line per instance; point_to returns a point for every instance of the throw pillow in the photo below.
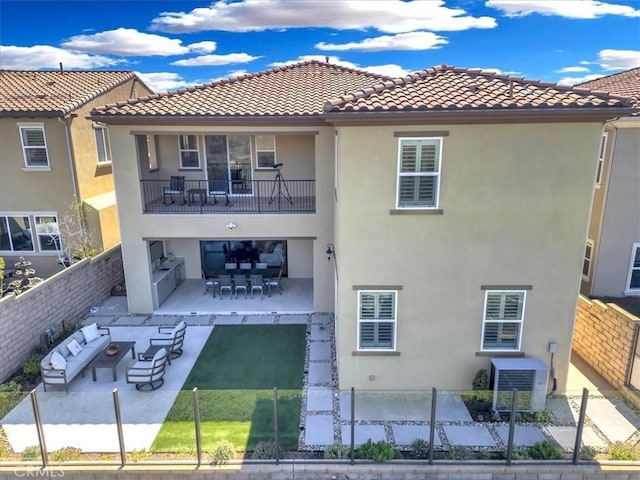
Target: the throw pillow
pixel 90 332
pixel 74 347
pixel 58 361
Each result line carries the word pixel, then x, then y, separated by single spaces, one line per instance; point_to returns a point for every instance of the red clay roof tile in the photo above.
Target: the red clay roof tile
pixel 624 84
pixel 54 93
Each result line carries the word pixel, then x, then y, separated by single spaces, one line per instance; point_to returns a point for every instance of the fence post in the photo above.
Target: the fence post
pixel 353 426
pixel 583 412
pixel 432 425
pixel 196 419
pixel 275 424
pixel 512 425
pixel 116 407
pixel 39 428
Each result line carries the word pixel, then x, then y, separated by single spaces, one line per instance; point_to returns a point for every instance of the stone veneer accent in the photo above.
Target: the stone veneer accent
pixel 603 337
pixel 65 297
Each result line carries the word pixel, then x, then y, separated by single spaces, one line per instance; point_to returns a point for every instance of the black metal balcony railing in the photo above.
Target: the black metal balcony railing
pixel 232 196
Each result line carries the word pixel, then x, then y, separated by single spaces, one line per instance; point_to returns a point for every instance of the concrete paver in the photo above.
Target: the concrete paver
pixel 319 430
pixel 197 320
pixel 228 319
pixel 259 319
pixel 319 332
pixel 319 399
pixel 319 373
pixel 163 320
pixel 293 319
pixel 133 321
pixel 320 351
pixel 469 435
pixel 404 435
pixel 613 417
pixel 362 433
pixel 524 435
pixel 566 437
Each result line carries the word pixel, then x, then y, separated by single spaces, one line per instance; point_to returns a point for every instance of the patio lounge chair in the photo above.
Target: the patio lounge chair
pixel 148 375
pixel 172 338
pixel 175 189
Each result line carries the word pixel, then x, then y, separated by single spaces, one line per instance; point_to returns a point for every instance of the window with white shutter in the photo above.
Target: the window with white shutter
pixel 503 317
pixel 376 320
pixel 34 145
pixel 419 172
pixel 102 144
pixel 633 281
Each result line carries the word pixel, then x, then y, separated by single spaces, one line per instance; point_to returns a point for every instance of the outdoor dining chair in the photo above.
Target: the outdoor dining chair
pixel 225 284
pixel 256 283
pixel 240 283
pixel 175 189
pixel 275 282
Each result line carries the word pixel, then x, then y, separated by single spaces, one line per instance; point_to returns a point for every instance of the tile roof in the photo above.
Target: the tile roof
pixel 54 93
pixel 624 84
pixel 297 90
pixel 447 88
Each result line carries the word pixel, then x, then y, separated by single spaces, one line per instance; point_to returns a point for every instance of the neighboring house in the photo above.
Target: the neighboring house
pixel 52 154
pixel 452 205
pixel 612 255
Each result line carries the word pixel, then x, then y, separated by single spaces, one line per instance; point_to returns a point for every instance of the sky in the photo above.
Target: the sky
pixel 177 44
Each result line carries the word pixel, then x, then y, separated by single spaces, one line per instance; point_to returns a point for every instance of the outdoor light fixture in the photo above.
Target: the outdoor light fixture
pixel 231 225
pixel 330 251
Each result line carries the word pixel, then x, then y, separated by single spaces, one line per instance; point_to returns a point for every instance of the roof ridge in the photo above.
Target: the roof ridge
pixel 604 77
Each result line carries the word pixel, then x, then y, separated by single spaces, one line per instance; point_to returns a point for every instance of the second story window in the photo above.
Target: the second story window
pixel 34 145
pixel 419 172
pixel 102 144
pixel 189 153
pixel 265 151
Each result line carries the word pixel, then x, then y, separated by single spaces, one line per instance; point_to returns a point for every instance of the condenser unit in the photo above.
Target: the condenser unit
pixel 528 375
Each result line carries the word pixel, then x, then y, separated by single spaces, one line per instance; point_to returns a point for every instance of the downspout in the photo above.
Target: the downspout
pixel 66 121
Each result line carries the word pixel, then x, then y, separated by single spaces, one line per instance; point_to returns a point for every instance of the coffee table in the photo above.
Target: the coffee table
pixel 102 360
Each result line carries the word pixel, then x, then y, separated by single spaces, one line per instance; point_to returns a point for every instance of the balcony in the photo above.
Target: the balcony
pixel 178 195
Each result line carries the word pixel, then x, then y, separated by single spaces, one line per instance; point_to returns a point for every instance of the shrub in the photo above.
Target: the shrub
pixel 623 451
pixel 222 450
pixel 65 454
pixel 139 455
pixel 336 451
pixel 10 395
pixel 32 365
pixel 458 452
pixel 587 452
pixel 518 453
pixel 481 380
pixel 376 451
pixel 543 416
pixel 546 450
pixel 31 452
pixel 264 450
pixel 420 448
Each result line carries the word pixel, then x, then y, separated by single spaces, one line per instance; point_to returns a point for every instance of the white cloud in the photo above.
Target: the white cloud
pixel 391 70
pixel 44 56
pixel 203 47
pixel 391 16
pixel 164 81
pixel 126 41
pixel 573 70
pixel 619 59
pixel 401 41
pixel 215 60
pixel 582 9
pixel 576 80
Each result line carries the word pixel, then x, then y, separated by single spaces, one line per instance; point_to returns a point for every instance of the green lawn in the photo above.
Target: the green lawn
pixel 235 375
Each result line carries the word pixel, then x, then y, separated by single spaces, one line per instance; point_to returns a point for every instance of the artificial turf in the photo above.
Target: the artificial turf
pixel 235 375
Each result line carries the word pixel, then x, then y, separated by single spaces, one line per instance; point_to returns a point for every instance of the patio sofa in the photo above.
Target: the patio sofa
pixel 72 355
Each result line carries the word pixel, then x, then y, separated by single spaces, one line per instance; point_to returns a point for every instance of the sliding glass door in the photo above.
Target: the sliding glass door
pixel 229 163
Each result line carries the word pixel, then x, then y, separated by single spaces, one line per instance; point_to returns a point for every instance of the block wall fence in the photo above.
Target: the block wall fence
pixel 603 336
pixel 65 297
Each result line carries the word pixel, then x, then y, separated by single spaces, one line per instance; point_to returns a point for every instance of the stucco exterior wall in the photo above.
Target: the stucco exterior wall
pixel 515 201
pixel 185 230
pixel 620 227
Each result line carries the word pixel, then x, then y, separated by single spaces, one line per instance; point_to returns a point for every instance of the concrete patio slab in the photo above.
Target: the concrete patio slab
pixel 101 321
pixel 362 433
pixel 617 421
pixel 259 319
pixel 404 435
pixel 319 430
pixel 319 331
pixel 324 318
pixel 524 436
pixel 163 320
pixel 320 351
pixel 319 400
pixel 566 437
pixel 293 319
pixel 130 321
pixel 228 319
pixel 319 373
pixel 114 305
pixel 469 435
pixel 199 320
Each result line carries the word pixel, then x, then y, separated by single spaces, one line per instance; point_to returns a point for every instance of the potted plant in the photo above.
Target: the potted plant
pixel 480 385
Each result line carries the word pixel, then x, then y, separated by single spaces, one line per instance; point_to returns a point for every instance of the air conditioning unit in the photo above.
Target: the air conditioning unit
pixel 528 375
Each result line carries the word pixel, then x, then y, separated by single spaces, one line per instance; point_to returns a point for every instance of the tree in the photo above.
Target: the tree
pixel 75 241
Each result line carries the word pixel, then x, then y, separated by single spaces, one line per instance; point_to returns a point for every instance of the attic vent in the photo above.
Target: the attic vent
pixel 474 88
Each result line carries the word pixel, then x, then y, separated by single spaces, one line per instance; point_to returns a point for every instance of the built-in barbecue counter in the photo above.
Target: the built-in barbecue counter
pixel 166 279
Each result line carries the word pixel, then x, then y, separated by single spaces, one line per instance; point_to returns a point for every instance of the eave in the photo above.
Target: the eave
pixel 212 120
